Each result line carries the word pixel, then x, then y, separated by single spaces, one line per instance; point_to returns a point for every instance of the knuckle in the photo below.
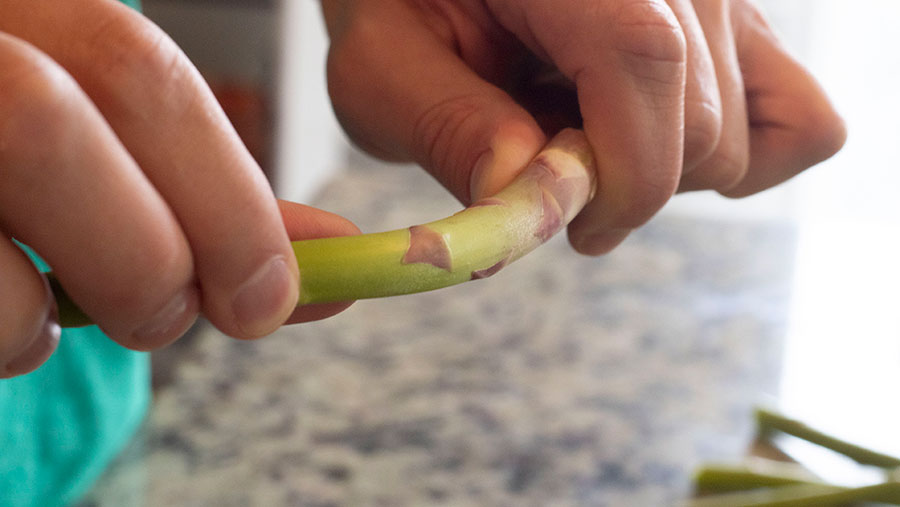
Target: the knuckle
pixel 702 132
pixel 648 31
pixel 649 45
pixel 124 48
pixel 749 14
pixel 726 167
pixel 441 130
pixel 643 198
pixel 436 126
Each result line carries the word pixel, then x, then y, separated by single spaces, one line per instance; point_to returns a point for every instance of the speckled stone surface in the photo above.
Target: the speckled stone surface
pixel 562 381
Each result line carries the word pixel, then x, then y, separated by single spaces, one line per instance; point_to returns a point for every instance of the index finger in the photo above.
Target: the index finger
pixel 628 62
pixel 165 115
pixel 304 222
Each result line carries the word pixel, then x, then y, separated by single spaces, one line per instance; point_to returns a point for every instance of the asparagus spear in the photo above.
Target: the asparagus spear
pixel 752 486
pixel 768 422
pixel 804 495
pixel 753 473
pixel 473 244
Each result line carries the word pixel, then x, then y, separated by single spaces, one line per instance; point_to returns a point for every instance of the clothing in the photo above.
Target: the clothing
pixel 61 425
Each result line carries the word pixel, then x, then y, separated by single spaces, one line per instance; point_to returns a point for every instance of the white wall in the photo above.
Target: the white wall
pixel 310 145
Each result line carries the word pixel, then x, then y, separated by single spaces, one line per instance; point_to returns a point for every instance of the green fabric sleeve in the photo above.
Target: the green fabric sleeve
pixel 61 425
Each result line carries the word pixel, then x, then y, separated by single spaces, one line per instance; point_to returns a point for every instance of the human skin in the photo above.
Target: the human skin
pixel 119 168
pixel 473 244
pixel 108 136
pixel 673 96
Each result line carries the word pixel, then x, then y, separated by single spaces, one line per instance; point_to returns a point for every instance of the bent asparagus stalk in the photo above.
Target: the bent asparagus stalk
pixel 473 244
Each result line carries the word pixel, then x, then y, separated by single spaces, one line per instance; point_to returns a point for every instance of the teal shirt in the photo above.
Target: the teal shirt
pixel 61 425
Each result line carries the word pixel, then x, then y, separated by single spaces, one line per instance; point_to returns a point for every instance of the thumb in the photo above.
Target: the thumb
pixel 401 92
pixel 305 222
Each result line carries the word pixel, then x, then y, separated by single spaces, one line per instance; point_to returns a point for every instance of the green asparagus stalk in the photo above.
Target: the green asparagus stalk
pixel 752 474
pixel 784 485
pixel 804 495
pixel 768 422
pixel 69 314
pixel 470 245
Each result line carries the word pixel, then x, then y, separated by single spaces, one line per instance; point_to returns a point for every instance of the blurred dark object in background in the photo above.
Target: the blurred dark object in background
pixel 250 111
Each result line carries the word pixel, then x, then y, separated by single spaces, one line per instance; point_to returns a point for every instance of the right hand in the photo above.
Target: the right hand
pixel 673 95
pixel 118 167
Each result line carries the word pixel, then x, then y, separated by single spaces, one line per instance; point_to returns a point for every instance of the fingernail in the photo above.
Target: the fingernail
pixel 601 243
pixel 169 323
pixel 266 299
pixel 39 351
pixel 477 179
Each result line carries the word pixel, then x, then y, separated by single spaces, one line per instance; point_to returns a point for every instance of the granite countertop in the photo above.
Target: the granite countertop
pixel 563 380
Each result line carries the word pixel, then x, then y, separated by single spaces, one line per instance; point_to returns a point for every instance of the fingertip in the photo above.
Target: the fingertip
pixel 28 319
pixel 803 132
pixel 597 243
pixel 266 299
pixel 702 133
pixel 314 312
pixel 306 222
pixel 35 354
pixel 826 132
pixel 168 323
pixel 509 151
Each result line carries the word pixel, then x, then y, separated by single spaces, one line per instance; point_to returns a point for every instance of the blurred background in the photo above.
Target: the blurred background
pixel 563 380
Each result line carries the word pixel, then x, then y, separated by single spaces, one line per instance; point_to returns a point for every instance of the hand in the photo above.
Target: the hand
pixel 120 169
pixel 673 95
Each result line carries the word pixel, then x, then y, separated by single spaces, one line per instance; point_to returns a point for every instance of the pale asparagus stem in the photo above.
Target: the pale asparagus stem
pixel 472 244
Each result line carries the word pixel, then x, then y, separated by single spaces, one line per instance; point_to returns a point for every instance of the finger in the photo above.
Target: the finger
pixel 29 333
pixel 402 92
pixel 628 61
pixel 728 162
pixel 304 222
pixel 163 112
pixel 793 125
pixel 69 189
pixel 702 100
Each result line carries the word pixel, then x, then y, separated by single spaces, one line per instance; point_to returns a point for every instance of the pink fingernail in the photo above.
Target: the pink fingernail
pixel 261 304
pixel 170 322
